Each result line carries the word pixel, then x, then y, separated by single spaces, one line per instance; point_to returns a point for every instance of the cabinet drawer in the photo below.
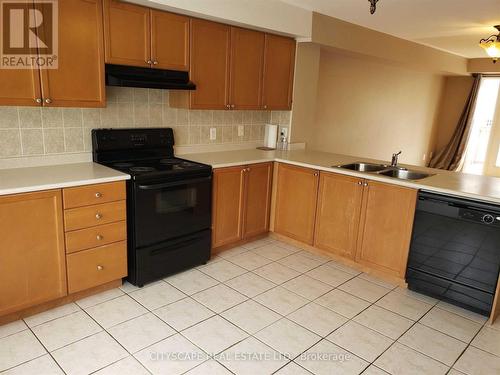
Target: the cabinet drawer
pixel 95 236
pixel 90 268
pixel 90 216
pixel 93 194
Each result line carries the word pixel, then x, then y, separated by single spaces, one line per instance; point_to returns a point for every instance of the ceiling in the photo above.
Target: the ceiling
pixel 451 25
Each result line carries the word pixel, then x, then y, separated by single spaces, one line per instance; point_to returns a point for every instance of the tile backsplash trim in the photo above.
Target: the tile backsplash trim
pixel 34 131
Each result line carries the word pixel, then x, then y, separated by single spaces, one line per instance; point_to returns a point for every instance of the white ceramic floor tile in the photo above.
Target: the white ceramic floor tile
pixel 326 358
pixel 488 339
pixel 44 365
pixel 295 248
pixel 421 297
pixel 276 273
pixel 222 270
pixel 451 324
pixel 51 314
pixel 292 369
pixel 478 318
pixel 250 284
pixel 116 311
pixel 318 257
pixel 90 354
pixel 251 316
pixel 229 253
pixel 275 251
pixel 191 281
pixel 373 370
pixel 209 368
pixel 19 348
pixel 281 300
pixel 250 260
pixel 403 305
pixel 433 343
pixel 307 287
pixel 219 298
pixel 259 243
pixel 300 263
pixel 362 341
pixel 288 338
pixel 384 321
pixel 214 335
pixel 127 287
pixel 11 328
pixel 478 362
pixel 157 295
pixel 183 314
pixel 99 298
pixel 317 319
pixel 126 366
pixel 141 332
pixel 343 267
pixel 251 357
pixel 364 289
pixel 174 355
pixel 329 275
pixel 343 303
pixel 66 330
pixel 400 359
pixel 377 280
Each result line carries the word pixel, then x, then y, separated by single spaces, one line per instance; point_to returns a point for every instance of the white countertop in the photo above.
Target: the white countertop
pixel 22 180
pixel 476 187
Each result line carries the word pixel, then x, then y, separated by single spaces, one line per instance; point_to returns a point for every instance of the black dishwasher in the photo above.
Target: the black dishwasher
pixel 455 251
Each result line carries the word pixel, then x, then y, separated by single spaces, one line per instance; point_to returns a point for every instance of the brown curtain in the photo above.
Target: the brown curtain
pixel 452 156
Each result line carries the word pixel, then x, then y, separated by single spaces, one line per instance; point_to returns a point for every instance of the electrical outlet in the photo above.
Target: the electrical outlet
pixel 284 131
pixel 213 134
pixel 241 131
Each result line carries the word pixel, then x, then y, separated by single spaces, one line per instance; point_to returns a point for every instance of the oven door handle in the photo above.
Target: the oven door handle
pixel 175 183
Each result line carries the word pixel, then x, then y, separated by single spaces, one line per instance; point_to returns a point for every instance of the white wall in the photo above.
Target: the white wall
pixel 267 15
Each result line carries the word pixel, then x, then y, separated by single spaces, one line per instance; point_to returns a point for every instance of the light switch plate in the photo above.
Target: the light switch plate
pixel 213 134
pixel 241 131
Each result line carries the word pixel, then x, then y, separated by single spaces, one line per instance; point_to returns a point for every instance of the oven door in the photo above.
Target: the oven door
pixel 168 210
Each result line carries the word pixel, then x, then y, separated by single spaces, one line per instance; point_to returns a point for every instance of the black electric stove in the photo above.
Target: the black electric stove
pixel 168 201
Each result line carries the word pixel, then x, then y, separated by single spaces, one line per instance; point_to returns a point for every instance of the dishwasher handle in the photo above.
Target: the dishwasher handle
pixel 459 202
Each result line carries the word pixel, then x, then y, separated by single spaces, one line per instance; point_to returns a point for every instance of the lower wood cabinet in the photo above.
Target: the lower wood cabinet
pixel 241 203
pixel 32 256
pixel 338 214
pixel 296 197
pixel 386 225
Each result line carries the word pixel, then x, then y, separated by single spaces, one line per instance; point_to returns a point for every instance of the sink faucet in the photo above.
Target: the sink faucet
pixel 394 160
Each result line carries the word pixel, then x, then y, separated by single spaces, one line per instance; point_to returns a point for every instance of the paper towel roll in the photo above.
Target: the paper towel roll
pixel 271 136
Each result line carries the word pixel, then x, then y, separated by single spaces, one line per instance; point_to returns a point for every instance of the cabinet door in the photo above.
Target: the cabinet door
pixel 127 33
pixel 258 179
pixel 79 79
pixel 279 64
pixel 209 64
pixel 32 267
pixel 386 225
pixel 19 87
pixel 296 196
pixel 338 214
pixel 169 41
pixel 227 205
pixel 247 59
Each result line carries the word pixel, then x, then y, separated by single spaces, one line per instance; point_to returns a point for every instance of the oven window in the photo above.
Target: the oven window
pixel 176 201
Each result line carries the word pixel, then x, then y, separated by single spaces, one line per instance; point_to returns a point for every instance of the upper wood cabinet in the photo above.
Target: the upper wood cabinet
pixel 247 57
pixel 296 197
pixel 210 46
pixel 140 36
pixel 32 250
pixel 127 33
pixel 78 80
pixel 338 214
pixel 279 65
pixel 241 203
pixel 386 226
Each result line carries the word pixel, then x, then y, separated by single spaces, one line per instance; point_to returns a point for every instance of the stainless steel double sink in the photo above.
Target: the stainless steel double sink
pixel 385 170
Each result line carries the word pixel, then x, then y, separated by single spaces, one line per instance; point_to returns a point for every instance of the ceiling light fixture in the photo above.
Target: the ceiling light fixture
pixel 373 6
pixel 492 45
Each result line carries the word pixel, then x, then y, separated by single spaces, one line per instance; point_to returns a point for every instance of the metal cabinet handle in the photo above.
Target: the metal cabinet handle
pixel 38 100
pixel 98 195
pixel 98 216
pixel 265 106
pixel 365 184
pixel 228 106
pixel 360 182
pixel 155 62
pixel 149 62
pixel 316 174
pixel 99 237
pixel 232 105
pixel 48 100
pixel 99 267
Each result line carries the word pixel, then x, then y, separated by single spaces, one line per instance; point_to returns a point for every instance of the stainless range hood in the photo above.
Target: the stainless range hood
pixel 131 76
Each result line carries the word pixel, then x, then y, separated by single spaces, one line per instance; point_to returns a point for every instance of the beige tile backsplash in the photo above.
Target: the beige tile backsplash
pixel 28 131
